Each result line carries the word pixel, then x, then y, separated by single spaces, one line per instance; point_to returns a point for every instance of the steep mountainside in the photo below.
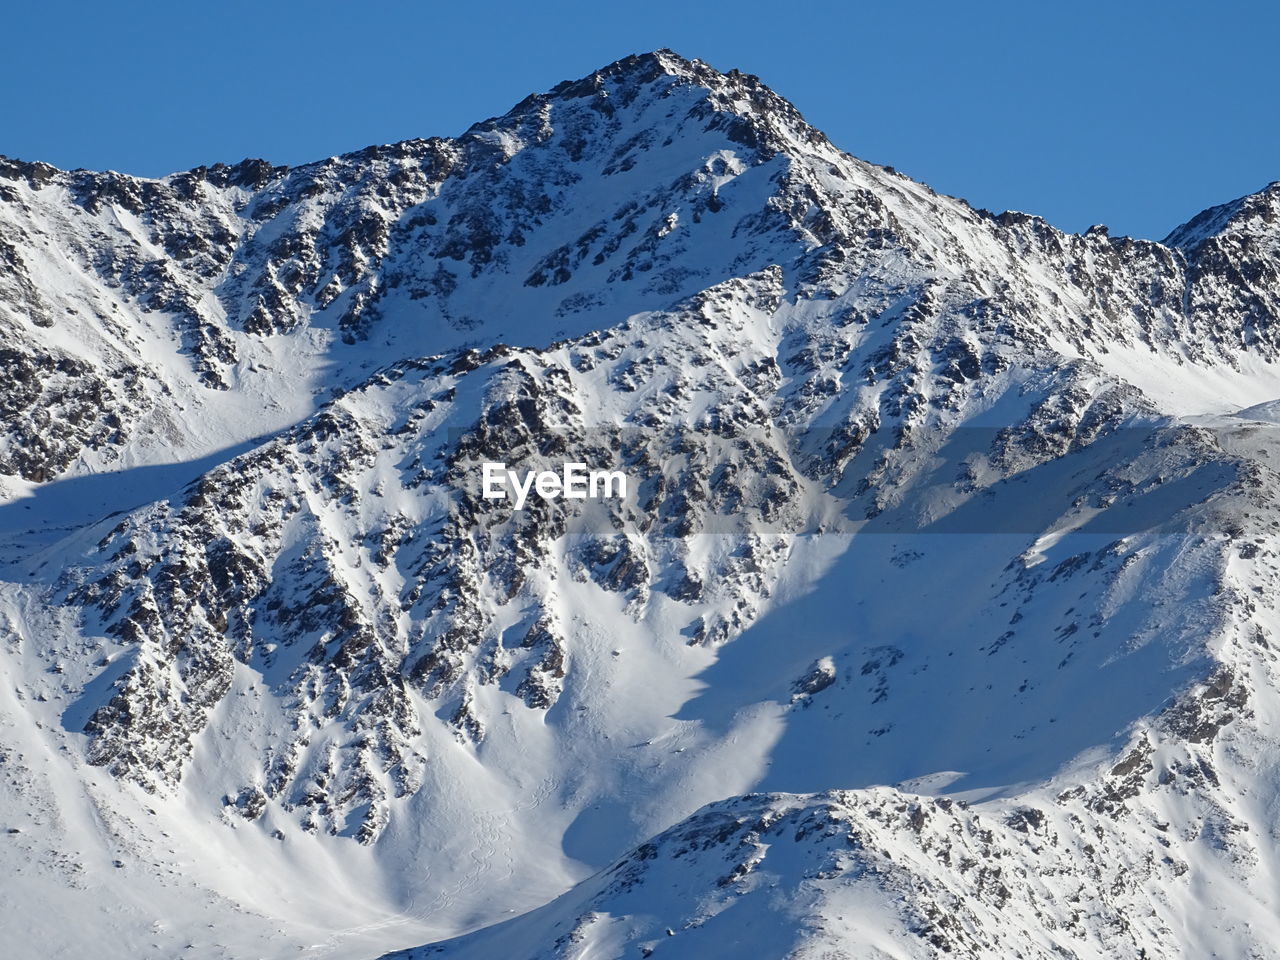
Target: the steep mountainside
pixel 936 619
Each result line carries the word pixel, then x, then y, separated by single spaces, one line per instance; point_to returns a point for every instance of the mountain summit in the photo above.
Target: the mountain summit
pixel 934 620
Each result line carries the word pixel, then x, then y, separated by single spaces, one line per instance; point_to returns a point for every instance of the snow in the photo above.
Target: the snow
pixel 1013 579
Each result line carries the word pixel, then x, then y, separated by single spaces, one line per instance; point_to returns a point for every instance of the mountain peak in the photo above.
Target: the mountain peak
pixel 628 83
pixel 1261 208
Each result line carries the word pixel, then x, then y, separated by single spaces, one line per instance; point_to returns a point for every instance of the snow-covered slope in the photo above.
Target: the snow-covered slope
pixel 936 619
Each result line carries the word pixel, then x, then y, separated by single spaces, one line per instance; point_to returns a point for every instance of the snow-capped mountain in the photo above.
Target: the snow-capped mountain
pixel 935 620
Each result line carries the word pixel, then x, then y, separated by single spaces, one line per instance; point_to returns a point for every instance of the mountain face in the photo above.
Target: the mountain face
pixel 935 619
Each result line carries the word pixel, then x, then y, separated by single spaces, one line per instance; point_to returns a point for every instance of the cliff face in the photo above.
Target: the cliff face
pixel 919 495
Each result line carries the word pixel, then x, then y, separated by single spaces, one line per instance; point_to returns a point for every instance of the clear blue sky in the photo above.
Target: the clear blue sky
pixel 1132 113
